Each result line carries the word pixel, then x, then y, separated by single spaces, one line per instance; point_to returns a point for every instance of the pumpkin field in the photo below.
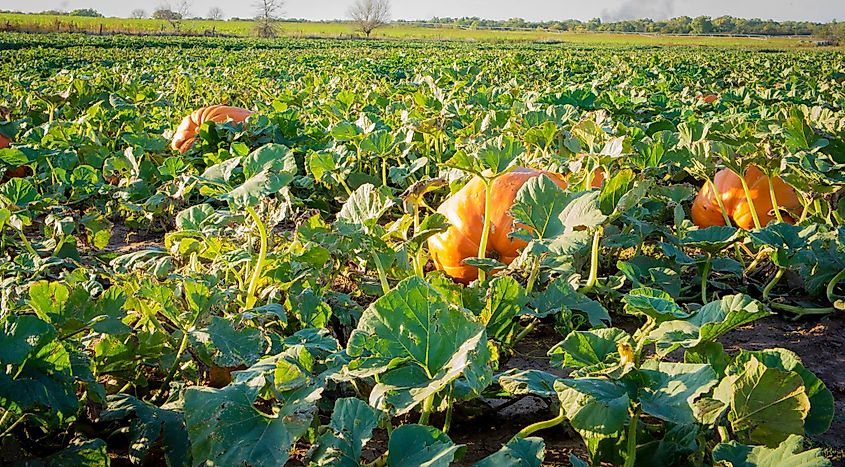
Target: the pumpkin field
pixel 223 251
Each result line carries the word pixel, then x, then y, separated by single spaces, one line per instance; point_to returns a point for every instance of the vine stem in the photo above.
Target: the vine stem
pixel 705 271
pixel 832 285
pixel 535 273
pixel 524 332
pixel 13 425
pixel 531 429
pixel 800 311
pixel 772 283
pixel 748 197
pixel 183 345
pixel 382 275
pixel 774 197
pixel 719 201
pixel 262 254
pixel 631 451
pixel 447 424
pixel 485 232
pixel 594 261
pixel 428 404
pixel 723 434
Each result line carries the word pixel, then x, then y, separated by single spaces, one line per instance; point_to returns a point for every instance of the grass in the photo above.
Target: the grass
pixel 49 23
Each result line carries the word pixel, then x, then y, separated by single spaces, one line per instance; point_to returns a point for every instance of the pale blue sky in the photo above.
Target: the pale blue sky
pixel 816 10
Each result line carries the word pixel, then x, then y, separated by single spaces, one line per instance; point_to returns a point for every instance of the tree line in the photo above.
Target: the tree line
pixel 368 15
pixel 678 25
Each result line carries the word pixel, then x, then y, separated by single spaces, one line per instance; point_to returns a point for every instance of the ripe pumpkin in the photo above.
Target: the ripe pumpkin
pixel 13 172
pixel 184 137
pixel 705 208
pixel 465 212
pixel 708 98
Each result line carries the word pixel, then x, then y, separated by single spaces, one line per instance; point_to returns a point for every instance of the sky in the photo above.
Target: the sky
pixel 535 10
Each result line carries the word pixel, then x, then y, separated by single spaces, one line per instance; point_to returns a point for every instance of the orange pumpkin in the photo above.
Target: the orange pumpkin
pixel 184 137
pixel 708 98
pixel 706 211
pixel 4 141
pixel 465 212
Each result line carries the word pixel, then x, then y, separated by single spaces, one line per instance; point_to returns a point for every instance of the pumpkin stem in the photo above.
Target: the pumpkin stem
pixel 259 265
pixel 594 261
pixel 428 404
pixel 631 435
pixel 772 283
pixel 719 201
pixel 832 285
pixel 535 273
pixel 531 429
pixel 485 232
pixel 705 272
pixel 774 197
pixel 750 199
pixel 382 275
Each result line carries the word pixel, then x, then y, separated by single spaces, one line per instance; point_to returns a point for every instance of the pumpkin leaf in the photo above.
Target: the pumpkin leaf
pixel 415 445
pixel 351 427
pixel 519 452
pixel 438 342
pixel 787 454
pixel 766 404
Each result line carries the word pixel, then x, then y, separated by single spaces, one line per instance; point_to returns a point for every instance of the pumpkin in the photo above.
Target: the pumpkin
pixel 185 135
pixel 13 172
pixel 465 212
pixel 708 98
pixel 705 208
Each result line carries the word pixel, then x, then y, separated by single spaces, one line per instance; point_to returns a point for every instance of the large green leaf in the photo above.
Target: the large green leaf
pixel 351 427
pixel 712 239
pixel 438 342
pixel 594 348
pixel 560 294
pixel 418 445
pixel 709 322
pixel 655 304
pixel 505 300
pixel 225 428
pixel 821 399
pixel 671 389
pixel 538 205
pixel 519 382
pixel 150 426
pixel 789 453
pixel 766 404
pixel 596 407
pixel 519 452
pixel 363 209
pixel 36 372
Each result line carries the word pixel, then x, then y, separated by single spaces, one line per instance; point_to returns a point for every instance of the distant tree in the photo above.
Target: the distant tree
pixel 216 13
pixel 702 25
pixel 165 13
pixel 369 15
pixel 174 15
pixel 88 12
pixel 138 13
pixel 267 14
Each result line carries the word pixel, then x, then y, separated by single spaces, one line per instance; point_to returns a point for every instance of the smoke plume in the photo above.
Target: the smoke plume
pixel 637 9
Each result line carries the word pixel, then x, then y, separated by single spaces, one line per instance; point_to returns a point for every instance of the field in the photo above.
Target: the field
pixel 339 30
pixel 283 290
